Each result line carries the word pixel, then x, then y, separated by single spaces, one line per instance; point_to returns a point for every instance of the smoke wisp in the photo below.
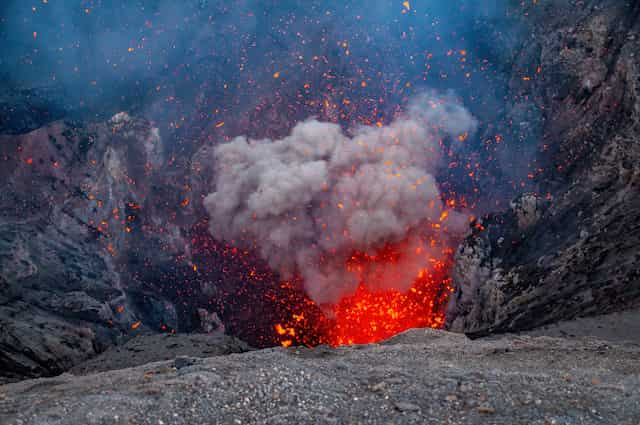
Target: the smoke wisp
pixel 311 200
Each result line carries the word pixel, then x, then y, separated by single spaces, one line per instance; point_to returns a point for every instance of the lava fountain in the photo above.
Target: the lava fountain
pixel 357 218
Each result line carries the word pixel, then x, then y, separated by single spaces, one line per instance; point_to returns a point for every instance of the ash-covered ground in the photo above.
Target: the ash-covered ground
pixel 422 376
pixel 138 225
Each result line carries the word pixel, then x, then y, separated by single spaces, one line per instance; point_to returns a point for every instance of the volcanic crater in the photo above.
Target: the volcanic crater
pixel 320 212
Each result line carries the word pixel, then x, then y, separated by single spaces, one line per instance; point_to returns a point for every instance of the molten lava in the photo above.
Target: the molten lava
pixel 371 316
pixel 367 317
pixel 264 312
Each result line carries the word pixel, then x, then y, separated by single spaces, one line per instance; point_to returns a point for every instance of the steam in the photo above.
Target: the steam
pixel 307 202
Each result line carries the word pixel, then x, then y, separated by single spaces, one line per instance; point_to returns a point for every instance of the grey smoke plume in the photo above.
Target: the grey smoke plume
pixel 307 202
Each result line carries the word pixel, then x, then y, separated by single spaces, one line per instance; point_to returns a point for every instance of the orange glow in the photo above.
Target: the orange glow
pixel 370 316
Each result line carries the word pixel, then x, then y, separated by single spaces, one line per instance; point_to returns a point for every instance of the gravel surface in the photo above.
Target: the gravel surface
pixel 421 376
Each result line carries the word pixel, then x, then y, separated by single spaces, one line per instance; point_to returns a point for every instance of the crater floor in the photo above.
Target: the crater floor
pixel 421 376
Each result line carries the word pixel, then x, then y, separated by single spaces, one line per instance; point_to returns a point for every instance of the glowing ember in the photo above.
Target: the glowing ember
pixel 372 316
pixel 259 309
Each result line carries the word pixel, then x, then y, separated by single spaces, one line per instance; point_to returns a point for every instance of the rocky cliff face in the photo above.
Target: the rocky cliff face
pixel 573 247
pixel 80 215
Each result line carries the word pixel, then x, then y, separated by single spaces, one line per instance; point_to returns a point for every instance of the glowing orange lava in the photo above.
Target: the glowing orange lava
pixel 265 312
pixel 371 316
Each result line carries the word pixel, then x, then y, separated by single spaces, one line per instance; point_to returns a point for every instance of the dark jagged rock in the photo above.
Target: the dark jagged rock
pixel 56 302
pixel 77 206
pixel 572 249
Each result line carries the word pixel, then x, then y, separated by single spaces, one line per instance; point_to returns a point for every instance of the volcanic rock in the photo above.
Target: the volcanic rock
pixel 509 379
pixel 621 326
pixel 573 248
pixel 95 215
pixel 79 214
pixel 150 348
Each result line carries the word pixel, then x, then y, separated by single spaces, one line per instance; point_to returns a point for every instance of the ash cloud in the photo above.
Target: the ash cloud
pixel 190 65
pixel 308 201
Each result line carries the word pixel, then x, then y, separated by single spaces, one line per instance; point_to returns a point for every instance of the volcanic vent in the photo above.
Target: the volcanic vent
pixel 352 222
